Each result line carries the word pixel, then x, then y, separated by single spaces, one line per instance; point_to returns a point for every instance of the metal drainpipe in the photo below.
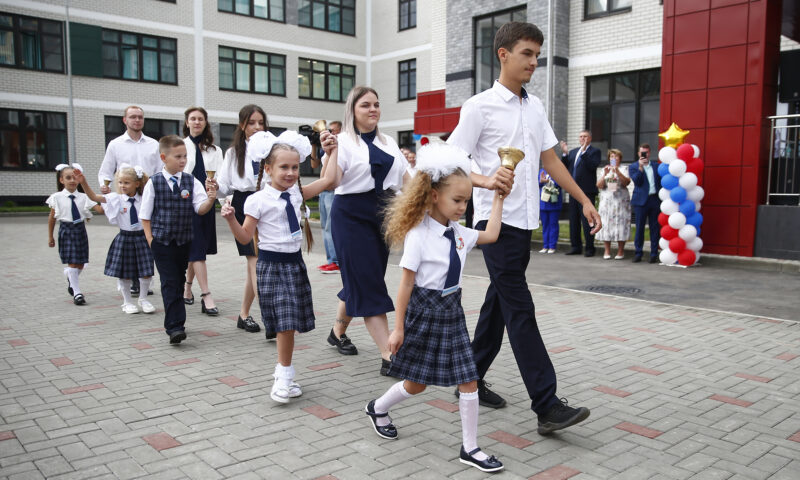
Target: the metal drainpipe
pixel 70 110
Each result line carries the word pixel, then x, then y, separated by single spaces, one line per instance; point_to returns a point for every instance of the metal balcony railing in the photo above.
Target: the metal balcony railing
pixel 783 187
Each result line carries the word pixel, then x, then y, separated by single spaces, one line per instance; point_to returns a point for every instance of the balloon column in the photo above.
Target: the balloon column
pixel 681 172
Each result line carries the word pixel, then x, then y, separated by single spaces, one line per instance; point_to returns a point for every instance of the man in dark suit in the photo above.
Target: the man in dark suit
pixel 582 163
pixel 645 202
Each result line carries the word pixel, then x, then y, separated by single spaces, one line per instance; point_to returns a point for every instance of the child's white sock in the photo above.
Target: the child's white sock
pixel 144 287
pixel 284 375
pixel 124 287
pixel 72 275
pixel 468 408
pixel 396 394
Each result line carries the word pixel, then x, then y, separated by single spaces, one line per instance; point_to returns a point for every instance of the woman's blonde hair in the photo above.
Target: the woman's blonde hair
pixel 268 161
pixel 407 210
pixel 349 126
pixel 130 173
pixel 614 151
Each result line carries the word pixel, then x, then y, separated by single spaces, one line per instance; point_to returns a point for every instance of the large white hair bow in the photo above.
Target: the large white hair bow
pixel 74 166
pixel 138 169
pixel 260 144
pixel 441 159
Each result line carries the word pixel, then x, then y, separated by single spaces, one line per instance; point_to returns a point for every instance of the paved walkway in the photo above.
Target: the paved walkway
pixel 88 392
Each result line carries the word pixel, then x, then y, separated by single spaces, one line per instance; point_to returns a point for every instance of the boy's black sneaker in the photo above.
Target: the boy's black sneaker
pixel 177 337
pixel 486 397
pixel 561 416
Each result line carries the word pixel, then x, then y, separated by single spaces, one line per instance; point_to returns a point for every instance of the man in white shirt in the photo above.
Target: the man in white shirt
pixel 505 115
pixel 132 147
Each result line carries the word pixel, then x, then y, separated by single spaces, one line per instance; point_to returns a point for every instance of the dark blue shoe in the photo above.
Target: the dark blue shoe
pixel 491 464
pixel 387 431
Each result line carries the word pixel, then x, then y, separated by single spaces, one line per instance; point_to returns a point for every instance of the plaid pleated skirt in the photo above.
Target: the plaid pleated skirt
pixel 129 256
pixel 73 243
pixel 284 292
pixel 436 348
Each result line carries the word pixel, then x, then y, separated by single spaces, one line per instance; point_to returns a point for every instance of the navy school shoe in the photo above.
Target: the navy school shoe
pixel 387 431
pixel 491 464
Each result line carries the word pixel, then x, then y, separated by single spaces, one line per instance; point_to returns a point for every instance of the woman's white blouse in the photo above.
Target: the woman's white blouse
pixel 353 160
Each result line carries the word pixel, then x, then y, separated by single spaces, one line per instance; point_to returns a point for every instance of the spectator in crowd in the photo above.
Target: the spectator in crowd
pixel 645 201
pixel 615 206
pixel 325 203
pixel 582 163
pixel 552 198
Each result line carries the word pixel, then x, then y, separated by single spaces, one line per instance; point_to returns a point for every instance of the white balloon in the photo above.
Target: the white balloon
pixel 687 232
pixel 663 243
pixel 696 151
pixel 663 193
pixel 696 194
pixel 668 256
pixel 697 206
pixel 695 244
pixel 677 168
pixel 696 257
pixel 667 154
pixel 669 207
pixel 688 181
pixel 677 220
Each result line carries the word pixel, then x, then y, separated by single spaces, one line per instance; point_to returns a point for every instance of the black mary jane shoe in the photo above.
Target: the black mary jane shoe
pixel 211 312
pixel 491 464
pixel 79 299
pixel 342 344
pixel 248 324
pixel 388 432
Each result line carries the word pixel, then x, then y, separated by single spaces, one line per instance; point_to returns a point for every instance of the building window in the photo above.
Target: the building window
pixel 153 127
pixel 31 140
pixel 331 15
pixel 267 9
pixel 622 110
pixel 408 14
pixel 144 58
pixel 487 66
pixel 31 43
pixel 602 8
pixel 320 80
pixel 256 72
pixel 408 79
pixel 405 139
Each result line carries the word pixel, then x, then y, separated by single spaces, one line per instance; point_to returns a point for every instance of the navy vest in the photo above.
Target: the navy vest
pixel 172 214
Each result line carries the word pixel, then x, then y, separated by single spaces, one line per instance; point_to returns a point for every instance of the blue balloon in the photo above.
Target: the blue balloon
pixel 669 182
pixel 678 195
pixel 416 137
pixel 696 219
pixel 686 207
pixel 663 170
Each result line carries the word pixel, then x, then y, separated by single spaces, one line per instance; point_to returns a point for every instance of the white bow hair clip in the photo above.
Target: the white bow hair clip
pixel 138 169
pixel 61 166
pixel 439 160
pixel 261 143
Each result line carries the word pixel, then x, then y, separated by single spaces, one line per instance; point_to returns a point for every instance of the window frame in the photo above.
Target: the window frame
pixel 476 48
pixel 605 13
pixel 252 63
pixel 402 136
pixel 327 3
pixel 16 31
pixel 409 71
pixel 119 127
pixel 252 10
pixel 409 3
pixel 22 130
pixel 328 74
pixel 140 49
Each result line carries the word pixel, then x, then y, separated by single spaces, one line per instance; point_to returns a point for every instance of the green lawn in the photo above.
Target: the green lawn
pixel 563 232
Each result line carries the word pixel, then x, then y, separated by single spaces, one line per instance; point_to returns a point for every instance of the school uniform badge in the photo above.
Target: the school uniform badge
pixel 184 194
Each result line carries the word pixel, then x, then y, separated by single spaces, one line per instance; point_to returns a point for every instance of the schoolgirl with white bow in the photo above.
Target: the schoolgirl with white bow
pixel 430 342
pixel 284 292
pixel 71 208
pixel 129 256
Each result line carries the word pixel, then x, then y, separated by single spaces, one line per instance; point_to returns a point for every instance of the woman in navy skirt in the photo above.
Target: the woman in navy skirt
pixel 203 158
pixel 430 340
pixel 371 170
pixel 237 177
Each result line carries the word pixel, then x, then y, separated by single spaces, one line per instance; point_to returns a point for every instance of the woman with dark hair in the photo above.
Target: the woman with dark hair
pixel 371 170
pixel 237 177
pixel 202 159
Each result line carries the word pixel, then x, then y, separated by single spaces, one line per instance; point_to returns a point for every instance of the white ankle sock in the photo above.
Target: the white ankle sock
pixel 72 275
pixel 284 375
pixel 124 287
pixel 468 408
pixel 144 287
pixel 396 394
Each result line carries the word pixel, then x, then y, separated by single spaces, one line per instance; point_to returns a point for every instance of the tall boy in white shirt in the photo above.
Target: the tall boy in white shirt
pixel 505 115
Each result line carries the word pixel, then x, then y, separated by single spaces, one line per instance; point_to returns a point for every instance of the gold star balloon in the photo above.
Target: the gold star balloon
pixel 673 137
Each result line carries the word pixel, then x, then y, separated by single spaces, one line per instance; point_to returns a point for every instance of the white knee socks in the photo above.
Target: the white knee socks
pixel 72 276
pixel 468 408
pixel 396 394
pixel 124 287
pixel 144 287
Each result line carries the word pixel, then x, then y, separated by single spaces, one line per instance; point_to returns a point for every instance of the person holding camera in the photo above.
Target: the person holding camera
pixel 645 201
pixel 615 206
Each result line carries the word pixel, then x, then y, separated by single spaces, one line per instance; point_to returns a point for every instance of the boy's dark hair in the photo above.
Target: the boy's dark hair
pixel 168 142
pixel 512 32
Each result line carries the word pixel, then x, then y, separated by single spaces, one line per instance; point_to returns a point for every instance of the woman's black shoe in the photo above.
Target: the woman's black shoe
pixel 248 324
pixel 270 335
pixel 388 432
pixel 189 301
pixel 491 464
pixel 385 366
pixel 343 344
pixel 211 312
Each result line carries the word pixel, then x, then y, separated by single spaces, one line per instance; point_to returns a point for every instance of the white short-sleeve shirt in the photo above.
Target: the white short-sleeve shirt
pixel 426 251
pixel 123 149
pixel 497 118
pixel 62 204
pixel 118 210
pixel 269 209
pixel 228 178
pixel 199 195
pixel 353 160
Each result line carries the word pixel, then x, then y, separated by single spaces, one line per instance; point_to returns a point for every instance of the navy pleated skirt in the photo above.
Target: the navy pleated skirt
pixel 356 227
pixel 129 256
pixel 73 243
pixel 249 249
pixel 204 236
pixel 284 292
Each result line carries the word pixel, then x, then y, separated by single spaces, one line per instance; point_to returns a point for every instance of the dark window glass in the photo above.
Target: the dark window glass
pixel 487 66
pixel 31 140
pixel 266 9
pixel 331 15
pixel 31 43
pixel 407 80
pixel 622 110
pixel 408 14
pixel 145 58
pixel 324 80
pixel 405 139
pixel 601 8
pixel 153 127
pixel 255 72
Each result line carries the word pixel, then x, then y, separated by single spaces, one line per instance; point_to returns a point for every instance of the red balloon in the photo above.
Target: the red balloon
pixel 686 152
pixel 686 257
pixel 668 232
pixel 677 245
pixel 695 166
pixel 663 219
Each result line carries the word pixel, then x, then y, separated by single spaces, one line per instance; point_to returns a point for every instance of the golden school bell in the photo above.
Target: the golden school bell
pixel 320 126
pixel 510 157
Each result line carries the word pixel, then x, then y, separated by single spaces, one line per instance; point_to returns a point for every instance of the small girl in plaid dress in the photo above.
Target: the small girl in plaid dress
pixel 284 292
pixel 70 207
pixel 129 256
pixel 430 342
